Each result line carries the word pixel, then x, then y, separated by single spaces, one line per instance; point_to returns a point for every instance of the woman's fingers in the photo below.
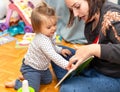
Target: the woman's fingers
pixel 71 62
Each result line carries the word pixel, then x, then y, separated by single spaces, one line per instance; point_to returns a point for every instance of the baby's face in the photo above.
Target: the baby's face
pixel 49 28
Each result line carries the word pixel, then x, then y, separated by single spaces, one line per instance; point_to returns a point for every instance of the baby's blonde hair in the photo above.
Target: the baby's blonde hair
pixel 41 14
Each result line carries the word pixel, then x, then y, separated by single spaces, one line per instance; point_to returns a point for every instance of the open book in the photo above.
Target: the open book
pixel 78 70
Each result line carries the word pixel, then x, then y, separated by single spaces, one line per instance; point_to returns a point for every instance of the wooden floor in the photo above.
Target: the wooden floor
pixel 10 62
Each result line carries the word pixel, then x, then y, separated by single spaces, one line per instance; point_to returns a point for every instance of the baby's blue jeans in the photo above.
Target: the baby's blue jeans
pixel 34 77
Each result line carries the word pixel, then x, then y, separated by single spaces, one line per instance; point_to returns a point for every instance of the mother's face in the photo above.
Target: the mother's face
pixel 80 8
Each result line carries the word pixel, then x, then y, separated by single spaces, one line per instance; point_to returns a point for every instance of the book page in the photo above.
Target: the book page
pixel 66 75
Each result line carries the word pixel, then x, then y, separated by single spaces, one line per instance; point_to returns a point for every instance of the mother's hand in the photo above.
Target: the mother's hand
pixel 82 54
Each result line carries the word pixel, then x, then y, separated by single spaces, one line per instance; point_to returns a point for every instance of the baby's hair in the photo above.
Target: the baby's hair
pixel 41 14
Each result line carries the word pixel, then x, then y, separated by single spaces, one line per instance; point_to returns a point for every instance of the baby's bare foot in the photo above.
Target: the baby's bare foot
pixel 21 77
pixel 10 84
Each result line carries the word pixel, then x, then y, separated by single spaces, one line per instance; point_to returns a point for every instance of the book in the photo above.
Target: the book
pixel 5 39
pixel 77 71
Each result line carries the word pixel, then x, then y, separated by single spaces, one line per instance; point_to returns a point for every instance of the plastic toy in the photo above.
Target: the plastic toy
pixel 17 29
pixel 29 36
pixel 58 39
pixel 24 11
pixel 5 32
pixel 27 39
pixel 25 87
pixel 33 3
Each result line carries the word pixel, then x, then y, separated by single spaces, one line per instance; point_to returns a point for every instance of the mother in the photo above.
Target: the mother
pixel 102 20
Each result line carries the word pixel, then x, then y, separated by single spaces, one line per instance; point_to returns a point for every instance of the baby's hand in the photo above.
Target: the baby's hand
pixel 65 52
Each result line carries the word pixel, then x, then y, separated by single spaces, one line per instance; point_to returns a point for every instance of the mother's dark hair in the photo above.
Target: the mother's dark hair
pixel 94 7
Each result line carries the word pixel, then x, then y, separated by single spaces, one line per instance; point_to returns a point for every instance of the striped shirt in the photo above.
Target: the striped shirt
pixel 42 51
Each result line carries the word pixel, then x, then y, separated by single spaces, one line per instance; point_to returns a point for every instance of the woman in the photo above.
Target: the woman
pixel 76 36
pixel 102 21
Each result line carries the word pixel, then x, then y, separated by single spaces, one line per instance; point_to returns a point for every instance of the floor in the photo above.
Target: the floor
pixel 10 62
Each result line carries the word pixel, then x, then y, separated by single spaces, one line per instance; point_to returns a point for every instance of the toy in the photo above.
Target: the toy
pixel 5 32
pixel 27 39
pixel 58 39
pixel 34 3
pixel 29 36
pixel 23 9
pixel 25 87
pixel 17 29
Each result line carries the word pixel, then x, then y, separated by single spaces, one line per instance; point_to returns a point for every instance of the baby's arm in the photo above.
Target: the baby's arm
pixel 49 50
